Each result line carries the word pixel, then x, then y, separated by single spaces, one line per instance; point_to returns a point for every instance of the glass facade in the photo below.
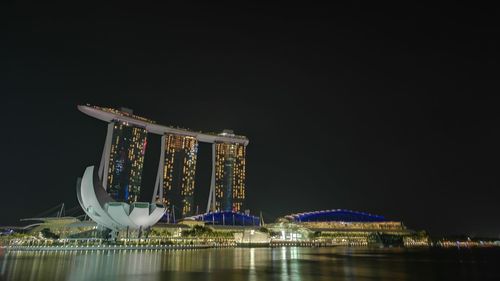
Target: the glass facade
pixel 179 174
pixel 126 162
pixel 228 218
pixel 229 176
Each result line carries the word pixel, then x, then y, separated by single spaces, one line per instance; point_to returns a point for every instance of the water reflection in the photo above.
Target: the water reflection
pixel 252 273
pixel 249 264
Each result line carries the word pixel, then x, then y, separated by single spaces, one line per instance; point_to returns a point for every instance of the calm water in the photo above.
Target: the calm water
pixel 254 264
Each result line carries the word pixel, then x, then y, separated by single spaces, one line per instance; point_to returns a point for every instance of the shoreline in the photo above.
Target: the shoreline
pixel 105 248
pixel 6 249
pixel 273 244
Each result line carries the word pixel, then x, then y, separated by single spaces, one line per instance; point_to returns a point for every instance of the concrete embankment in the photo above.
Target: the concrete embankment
pixel 105 247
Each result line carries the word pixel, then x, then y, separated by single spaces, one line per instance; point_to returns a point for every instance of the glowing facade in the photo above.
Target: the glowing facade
pixel 126 161
pixel 179 174
pixel 229 176
pixel 123 156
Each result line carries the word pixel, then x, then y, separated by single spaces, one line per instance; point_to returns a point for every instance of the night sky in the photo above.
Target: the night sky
pixel 384 109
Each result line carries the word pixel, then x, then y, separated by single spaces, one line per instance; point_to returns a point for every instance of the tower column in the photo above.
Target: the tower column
pixel 104 165
pixel 211 196
pixel 159 176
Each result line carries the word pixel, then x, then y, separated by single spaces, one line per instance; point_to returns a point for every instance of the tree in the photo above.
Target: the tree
pixel 264 230
pixel 46 233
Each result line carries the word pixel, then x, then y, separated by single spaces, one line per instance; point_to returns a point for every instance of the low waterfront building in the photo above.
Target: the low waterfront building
pixel 345 227
pixel 221 229
pixel 228 218
pixel 252 238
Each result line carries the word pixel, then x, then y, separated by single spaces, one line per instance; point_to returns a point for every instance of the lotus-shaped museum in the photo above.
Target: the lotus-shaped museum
pixel 106 212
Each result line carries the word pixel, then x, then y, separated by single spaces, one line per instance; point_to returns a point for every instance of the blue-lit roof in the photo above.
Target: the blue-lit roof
pixel 227 218
pixel 335 215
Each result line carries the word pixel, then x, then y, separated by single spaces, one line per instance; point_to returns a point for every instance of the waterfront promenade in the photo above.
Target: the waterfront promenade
pixel 105 247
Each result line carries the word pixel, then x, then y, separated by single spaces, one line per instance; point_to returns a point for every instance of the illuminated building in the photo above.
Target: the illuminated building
pixel 179 174
pixel 228 218
pixel 229 176
pixel 346 227
pixel 116 216
pixel 126 161
pixel 122 162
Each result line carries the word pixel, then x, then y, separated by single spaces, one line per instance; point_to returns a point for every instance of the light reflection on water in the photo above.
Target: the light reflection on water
pixel 296 264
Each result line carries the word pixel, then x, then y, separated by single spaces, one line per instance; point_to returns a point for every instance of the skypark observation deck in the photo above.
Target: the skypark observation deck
pixel 110 114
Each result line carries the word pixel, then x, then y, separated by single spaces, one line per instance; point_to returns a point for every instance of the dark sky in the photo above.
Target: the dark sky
pixel 384 109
